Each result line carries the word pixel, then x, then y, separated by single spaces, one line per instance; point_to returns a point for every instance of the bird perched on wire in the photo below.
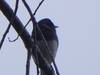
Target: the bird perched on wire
pixel 47 40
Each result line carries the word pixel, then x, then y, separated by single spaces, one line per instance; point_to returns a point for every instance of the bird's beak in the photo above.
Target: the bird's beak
pixel 56 26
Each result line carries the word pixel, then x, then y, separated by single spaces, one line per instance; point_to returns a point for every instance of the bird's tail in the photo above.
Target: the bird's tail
pixel 42 72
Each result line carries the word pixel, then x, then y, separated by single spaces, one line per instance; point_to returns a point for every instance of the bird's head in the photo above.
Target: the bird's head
pixel 47 24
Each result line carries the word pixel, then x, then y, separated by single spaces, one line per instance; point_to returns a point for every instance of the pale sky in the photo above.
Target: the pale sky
pixel 78 32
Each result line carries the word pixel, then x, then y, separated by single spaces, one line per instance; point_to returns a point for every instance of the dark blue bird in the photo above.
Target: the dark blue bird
pixel 48 30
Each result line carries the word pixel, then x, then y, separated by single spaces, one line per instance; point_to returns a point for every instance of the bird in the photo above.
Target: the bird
pixel 47 40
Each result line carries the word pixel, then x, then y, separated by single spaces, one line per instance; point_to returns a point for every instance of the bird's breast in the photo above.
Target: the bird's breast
pixel 50 47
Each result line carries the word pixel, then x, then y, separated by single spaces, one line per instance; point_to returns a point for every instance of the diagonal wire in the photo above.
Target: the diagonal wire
pixel 34 23
pixel 11 21
pixel 28 21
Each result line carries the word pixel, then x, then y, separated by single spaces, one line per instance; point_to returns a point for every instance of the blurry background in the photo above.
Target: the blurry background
pixel 78 32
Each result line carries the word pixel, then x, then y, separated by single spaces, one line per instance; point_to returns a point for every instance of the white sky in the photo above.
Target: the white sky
pixel 78 32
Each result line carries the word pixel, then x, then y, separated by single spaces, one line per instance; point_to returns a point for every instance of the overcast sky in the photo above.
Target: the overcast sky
pixel 78 32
